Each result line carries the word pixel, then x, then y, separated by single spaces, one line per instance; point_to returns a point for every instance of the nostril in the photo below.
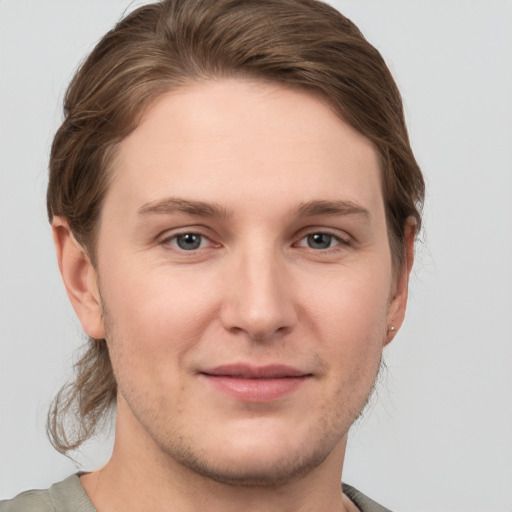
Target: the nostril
pixel 262 307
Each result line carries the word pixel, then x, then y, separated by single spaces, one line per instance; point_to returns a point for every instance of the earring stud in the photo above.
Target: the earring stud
pixel 391 328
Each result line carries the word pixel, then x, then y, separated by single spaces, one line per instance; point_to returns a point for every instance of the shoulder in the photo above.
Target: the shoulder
pixel 361 501
pixel 34 500
pixel 65 496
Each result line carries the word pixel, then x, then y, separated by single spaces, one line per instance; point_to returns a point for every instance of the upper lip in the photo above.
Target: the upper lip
pixel 247 371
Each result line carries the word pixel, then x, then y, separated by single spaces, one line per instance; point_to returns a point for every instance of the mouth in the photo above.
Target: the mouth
pixel 256 383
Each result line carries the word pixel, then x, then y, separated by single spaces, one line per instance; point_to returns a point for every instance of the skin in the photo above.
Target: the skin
pixel 293 267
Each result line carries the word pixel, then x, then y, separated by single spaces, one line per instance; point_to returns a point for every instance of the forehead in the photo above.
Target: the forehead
pixel 222 139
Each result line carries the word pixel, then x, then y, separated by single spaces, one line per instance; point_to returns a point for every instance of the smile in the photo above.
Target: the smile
pixel 256 384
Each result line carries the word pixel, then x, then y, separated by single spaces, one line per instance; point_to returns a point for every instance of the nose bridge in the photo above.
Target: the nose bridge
pixel 260 299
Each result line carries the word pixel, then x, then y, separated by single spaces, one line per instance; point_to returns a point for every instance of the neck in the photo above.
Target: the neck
pixel 141 476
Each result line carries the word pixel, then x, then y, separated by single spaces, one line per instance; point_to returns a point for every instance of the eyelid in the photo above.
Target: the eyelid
pixel 343 237
pixel 304 242
pixel 174 241
pixel 172 234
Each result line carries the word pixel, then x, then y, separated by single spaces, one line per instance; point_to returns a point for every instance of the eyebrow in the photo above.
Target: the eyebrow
pixel 313 208
pixel 172 205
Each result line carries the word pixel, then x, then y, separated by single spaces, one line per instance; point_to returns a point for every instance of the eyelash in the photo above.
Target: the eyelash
pixel 332 238
pixel 174 240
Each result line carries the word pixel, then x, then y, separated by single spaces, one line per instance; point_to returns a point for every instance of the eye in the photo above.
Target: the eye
pixel 319 241
pixel 188 241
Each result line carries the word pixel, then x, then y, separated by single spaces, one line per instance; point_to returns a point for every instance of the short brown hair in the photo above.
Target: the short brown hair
pixel 158 47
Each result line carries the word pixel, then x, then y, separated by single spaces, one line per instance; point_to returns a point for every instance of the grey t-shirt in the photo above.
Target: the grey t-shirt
pixel 65 496
pixel 69 496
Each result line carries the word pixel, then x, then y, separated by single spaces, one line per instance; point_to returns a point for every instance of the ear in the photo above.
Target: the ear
pixel 80 278
pixel 398 302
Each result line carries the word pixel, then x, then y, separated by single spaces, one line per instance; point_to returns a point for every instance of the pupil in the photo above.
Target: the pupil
pixel 189 241
pixel 319 241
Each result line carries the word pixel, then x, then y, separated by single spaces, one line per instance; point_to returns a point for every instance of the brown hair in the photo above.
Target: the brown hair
pixel 158 47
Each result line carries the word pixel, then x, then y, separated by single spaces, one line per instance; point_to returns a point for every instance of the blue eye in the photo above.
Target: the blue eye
pixel 188 241
pixel 320 241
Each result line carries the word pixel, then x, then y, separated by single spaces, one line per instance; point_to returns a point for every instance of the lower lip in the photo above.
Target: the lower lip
pixel 256 390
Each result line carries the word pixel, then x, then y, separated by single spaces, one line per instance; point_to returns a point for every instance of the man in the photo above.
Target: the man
pixel 234 204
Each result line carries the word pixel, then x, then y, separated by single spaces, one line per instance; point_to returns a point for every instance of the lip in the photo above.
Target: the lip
pixel 255 383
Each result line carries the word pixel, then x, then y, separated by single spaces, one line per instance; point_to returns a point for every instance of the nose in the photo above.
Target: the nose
pixel 259 299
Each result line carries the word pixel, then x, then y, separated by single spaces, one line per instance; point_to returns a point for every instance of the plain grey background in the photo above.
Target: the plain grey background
pixel 439 434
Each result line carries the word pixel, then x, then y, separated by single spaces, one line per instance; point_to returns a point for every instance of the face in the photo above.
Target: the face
pixel 246 281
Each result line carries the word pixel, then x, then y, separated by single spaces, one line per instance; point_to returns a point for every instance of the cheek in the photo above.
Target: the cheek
pixel 350 299
pixel 349 316
pixel 160 311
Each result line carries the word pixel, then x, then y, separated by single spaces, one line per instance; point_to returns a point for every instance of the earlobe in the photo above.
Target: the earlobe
pixel 80 278
pixel 398 303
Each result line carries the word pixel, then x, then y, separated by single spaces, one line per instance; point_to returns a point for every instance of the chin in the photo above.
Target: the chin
pixel 255 472
pixel 262 461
